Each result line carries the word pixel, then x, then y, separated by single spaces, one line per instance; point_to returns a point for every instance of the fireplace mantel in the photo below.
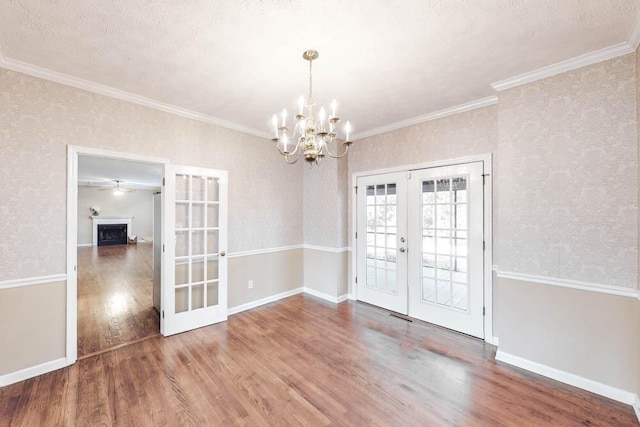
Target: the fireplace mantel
pixel 99 220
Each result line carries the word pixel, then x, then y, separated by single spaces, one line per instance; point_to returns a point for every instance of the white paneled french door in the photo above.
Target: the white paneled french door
pixel 382 232
pixel 420 244
pixel 195 267
pixel 446 259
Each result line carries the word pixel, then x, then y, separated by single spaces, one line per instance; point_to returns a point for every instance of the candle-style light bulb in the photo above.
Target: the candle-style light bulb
pixel 347 129
pixel 284 117
pixel 274 121
pixel 285 141
pixel 301 105
pixel 334 107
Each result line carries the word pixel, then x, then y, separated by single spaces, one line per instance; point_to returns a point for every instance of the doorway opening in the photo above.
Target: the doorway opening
pixel 118 264
pixel 421 243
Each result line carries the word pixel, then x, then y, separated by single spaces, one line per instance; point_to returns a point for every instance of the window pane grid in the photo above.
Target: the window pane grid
pixel 444 242
pixel 381 237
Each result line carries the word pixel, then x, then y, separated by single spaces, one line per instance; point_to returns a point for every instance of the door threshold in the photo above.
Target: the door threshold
pixel 401 316
pixel 117 347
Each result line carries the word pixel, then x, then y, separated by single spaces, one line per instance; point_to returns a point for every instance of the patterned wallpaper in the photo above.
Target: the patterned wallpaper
pixel 39 118
pixel 325 203
pixel 568 176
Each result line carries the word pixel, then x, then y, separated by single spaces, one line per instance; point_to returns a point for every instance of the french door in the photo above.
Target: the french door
pixel 195 267
pixel 422 252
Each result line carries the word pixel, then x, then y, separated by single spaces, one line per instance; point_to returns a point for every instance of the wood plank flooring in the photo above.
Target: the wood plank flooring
pixel 115 301
pixel 303 361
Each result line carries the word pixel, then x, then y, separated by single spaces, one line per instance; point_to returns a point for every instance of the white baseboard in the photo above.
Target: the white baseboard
pixel 493 340
pixel 85 245
pixel 636 406
pixel 352 297
pixel 568 378
pixel 33 371
pixel 324 296
pixel 263 301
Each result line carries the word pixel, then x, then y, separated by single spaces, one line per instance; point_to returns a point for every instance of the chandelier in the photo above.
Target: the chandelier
pixel 311 137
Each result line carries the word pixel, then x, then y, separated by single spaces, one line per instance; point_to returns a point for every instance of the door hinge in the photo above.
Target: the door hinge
pixel 163 247
pixel 356 234
pixel 163 182
pixel 484 176
pixel 163 314
pixel 356 279
pixel 484 311
pixel 356 187
pixel 484 245
pixel 75 268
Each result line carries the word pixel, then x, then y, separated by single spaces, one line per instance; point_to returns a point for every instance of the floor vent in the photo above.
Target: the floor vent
pixel 401 316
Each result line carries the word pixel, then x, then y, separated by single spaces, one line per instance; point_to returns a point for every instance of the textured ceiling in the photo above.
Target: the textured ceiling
pixel 385 61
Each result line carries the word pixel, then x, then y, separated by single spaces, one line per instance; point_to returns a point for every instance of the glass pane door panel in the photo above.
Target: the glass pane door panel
pixel 182 299
pixel 212 294
pixel 182 215
pixel 212 215
pixel 212 269
pixel 197 212
pixel 198 188
pixel 197 243
pixel 212 242
pixel 182 243
pixel 182 187
pixel 197 297
pixel 444 222
pixel 182 273
pixel 213 194
pixel 197 270
pixel 381 237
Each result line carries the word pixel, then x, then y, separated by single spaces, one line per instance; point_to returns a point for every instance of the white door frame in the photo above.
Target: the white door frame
pixel 486 160
pixel 73 152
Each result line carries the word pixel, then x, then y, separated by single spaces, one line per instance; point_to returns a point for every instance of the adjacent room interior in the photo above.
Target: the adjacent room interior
pixel 119 263
pixel 438 225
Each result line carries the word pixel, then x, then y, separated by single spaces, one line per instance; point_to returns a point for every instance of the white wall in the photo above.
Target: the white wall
pixel 137 204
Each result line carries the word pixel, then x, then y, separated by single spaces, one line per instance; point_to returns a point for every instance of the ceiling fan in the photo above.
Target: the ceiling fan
pixel 118 190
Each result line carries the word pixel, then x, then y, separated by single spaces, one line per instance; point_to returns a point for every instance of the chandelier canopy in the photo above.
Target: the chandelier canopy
pixel 311 137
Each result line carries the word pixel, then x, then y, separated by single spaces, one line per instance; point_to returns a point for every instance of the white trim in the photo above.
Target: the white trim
pixel 634 38
pixel 33 371
pixel 572 284
pixel 263 251
pixel 605 54
pixel 273 298
pixel 30 281
pixel 352 297
pixel 494 340
pixel 487 160
pixel 636 406
pixel 327 248
pixel 65 79
pixel 567 378
pixel 324 296
pixel 468 106
pixel 73 152
pixel 85 245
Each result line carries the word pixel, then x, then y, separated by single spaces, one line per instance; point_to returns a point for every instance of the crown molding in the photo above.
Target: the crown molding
pixel 46 74
pixel 634 35
pixel 472 105
pixel 564 66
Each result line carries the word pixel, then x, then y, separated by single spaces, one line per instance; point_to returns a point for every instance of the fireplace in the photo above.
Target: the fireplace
pixel 112 234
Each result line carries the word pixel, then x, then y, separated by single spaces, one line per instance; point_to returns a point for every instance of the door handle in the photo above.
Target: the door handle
pixel 403 250
pixel 222 253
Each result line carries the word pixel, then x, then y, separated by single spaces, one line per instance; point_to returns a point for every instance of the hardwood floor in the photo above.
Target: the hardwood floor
pixel 302 361
pixel 115 305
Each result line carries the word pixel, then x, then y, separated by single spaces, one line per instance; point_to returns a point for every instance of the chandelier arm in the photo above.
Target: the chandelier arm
pixel 286 158
pixel 335 156
pixel 291 152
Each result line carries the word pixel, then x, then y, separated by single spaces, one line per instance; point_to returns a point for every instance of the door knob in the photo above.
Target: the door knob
pixel 403 250
pixel 222 253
